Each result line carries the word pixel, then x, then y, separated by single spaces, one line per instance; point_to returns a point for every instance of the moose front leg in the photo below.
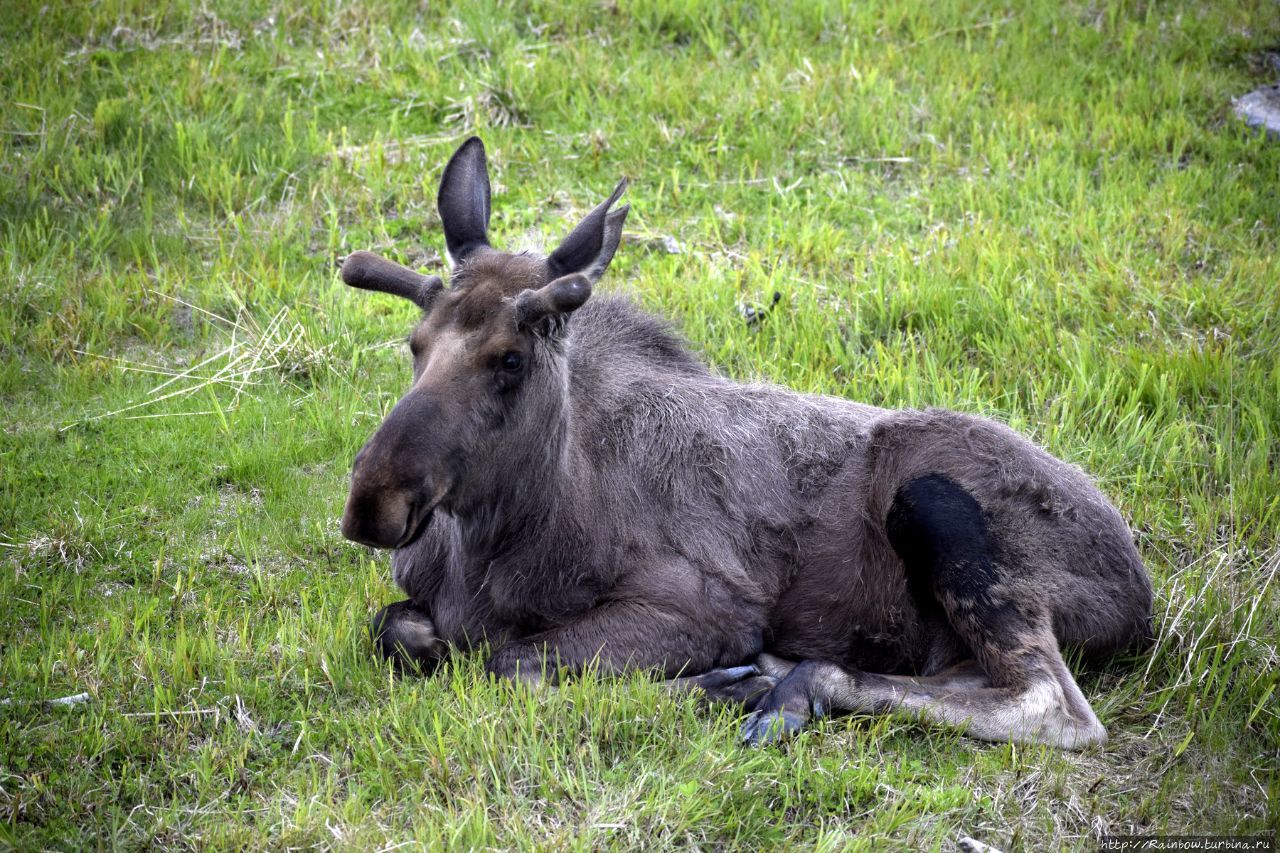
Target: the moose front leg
pixel 739 686
pixel 617 637
pixel 406 636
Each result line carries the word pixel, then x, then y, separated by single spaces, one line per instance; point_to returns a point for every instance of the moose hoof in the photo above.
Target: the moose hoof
pixel 743 686
pixel 765 727
pixel 406 636
pixel 719 678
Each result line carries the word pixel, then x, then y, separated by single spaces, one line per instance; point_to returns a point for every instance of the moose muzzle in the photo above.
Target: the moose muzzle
pixel 397 479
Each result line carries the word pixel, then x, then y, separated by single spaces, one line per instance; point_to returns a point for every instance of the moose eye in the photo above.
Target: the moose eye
pixel 511 362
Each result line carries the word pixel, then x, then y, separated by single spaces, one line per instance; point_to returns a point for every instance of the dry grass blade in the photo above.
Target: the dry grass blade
pixel 282 346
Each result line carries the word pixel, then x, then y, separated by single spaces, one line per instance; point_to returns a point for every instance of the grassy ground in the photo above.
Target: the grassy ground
pixel 1042 211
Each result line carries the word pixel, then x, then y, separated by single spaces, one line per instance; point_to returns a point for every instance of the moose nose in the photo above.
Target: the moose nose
pixel 396 479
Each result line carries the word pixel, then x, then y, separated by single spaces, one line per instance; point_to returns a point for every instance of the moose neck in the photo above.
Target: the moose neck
pixel 524 487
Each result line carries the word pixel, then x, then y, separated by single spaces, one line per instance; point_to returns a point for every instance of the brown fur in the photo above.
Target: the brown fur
pixel 616 502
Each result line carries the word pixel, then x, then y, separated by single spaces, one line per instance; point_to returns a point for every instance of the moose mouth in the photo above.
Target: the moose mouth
pixel 419 515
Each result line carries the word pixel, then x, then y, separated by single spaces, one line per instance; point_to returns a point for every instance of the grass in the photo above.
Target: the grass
pixel 1040 211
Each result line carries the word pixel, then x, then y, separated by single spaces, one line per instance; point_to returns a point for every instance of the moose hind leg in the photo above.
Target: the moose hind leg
pixel 815 688
pixel 1022 690
pixel 406 636
pixel 1047 708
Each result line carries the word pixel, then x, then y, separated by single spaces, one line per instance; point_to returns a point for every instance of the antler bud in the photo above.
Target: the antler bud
pixel 372 272
pixel 561 296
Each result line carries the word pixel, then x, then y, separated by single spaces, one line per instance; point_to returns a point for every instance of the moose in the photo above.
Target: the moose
pixel 567 485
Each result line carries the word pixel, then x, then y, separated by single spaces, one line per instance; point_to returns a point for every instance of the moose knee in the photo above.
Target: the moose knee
pixel 404 635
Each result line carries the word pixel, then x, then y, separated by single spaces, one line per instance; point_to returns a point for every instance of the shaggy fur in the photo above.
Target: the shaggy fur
pixel 613 501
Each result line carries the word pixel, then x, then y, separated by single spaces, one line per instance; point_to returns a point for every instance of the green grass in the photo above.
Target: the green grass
pixel 1041 211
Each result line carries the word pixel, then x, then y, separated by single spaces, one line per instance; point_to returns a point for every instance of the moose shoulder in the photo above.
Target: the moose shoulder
pixel 566 483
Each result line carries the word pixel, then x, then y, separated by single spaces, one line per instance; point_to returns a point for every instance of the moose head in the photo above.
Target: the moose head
pixel 488 404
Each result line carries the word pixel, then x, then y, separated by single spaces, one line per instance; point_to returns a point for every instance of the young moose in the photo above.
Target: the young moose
pixel 567 483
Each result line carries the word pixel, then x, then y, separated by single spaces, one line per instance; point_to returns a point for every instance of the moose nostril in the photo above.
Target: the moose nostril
pixel 380 518
pixel 356 521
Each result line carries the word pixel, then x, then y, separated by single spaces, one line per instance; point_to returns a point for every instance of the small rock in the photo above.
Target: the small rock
pixel 973 845
pixel 1261 109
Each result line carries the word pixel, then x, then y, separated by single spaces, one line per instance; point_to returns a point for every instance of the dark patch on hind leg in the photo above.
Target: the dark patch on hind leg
pixel 953 571
pixel 406 636
pixel 939 531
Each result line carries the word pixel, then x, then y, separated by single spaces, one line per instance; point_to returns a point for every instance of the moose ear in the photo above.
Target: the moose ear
pixel 589 247
pixel 562 296
pixel 463 200
pixel 371 272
